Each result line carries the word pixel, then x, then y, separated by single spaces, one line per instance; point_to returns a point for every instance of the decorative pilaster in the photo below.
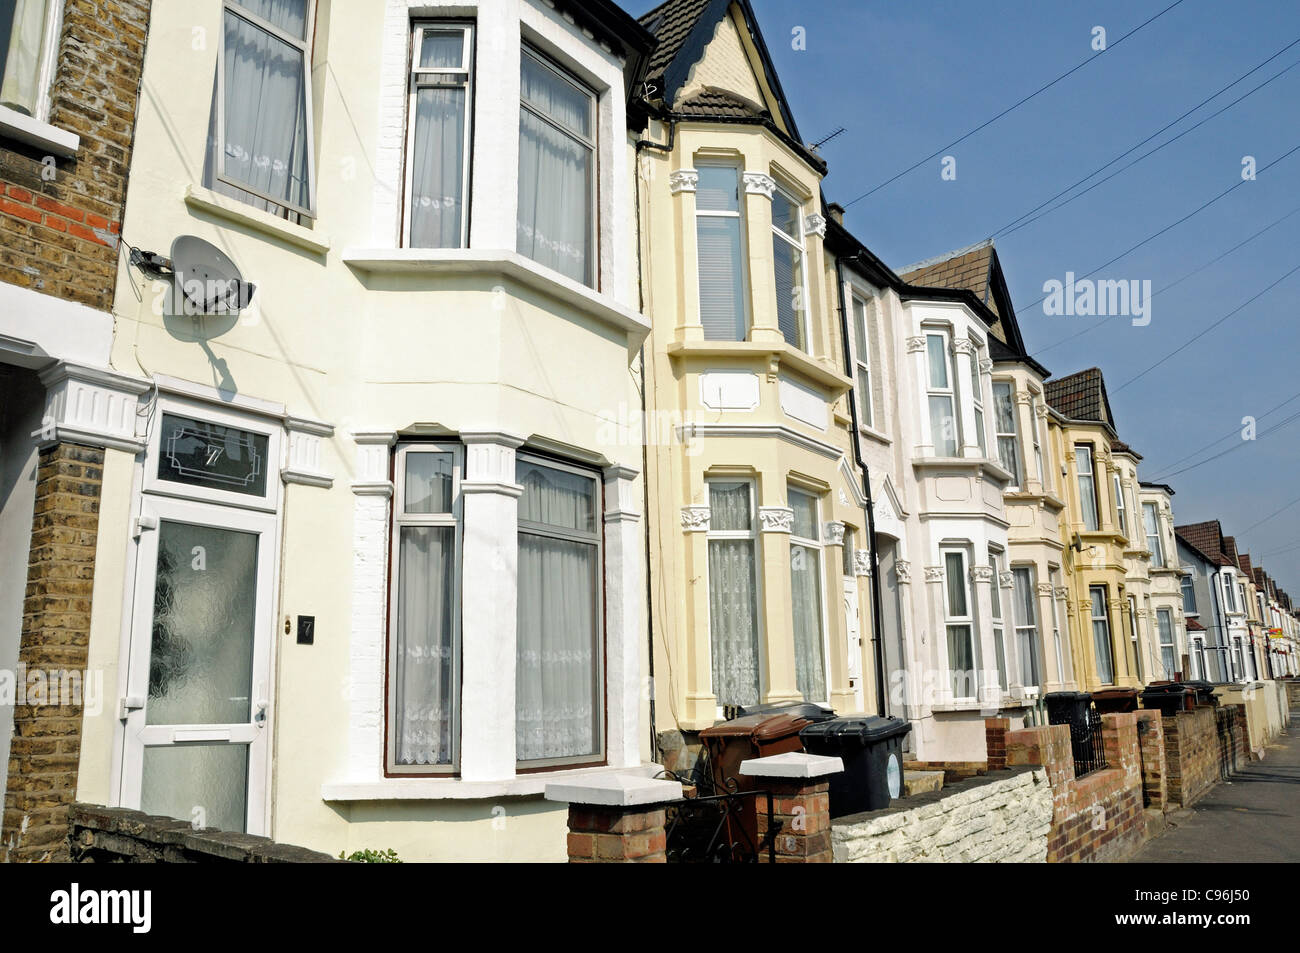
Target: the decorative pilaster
pixel 963 350
pixel 306 440
pixel 862 563
pixel 683 180
pixel 834 533
pixel 624 614
pixel 776 519
pixel 759 183
pixel 695 519
pixel 90 406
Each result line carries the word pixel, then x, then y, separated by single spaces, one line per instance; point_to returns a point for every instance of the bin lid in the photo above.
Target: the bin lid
pixel 1066 697
pixel 809 710
pixel 856 729
pixel 1168 688
pixel 757 727
pixel 1109 693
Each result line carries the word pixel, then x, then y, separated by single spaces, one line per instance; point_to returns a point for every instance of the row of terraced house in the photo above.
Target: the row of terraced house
pixel 558 414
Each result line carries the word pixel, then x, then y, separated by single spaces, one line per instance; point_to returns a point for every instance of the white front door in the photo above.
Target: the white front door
pixel 853 634
pixel 197 703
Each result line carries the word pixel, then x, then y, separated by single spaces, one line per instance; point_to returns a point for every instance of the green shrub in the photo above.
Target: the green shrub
pixel 372 856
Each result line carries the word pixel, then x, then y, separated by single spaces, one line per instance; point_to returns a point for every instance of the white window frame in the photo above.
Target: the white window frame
pixel 1135 636
pixel 798 242
pixel 949 392
pixel 977 396
pixel 1104 620
pixel 1189 581
pixel 209 413
pixel 1054 577
pixel 439 78
pixel 1121 514
pixel 235 8
pixel 1017 476
pixel 817 546
pixel 999 625
pixel 601 700
pixel 752 536
pixel 1037 437
pixel 1086 451
pixel 967 621
pixel 400 518
pixel 1158 549
pixel 48 66
pixel 1027 630
pixel 739 216
pixel 594 271
pixel 1165 622
pixel 862 358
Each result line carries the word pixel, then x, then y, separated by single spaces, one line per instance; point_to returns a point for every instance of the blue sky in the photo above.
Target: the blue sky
pixel 907 78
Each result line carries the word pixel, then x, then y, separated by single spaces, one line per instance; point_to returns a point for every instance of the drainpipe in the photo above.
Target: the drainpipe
pixel 877 605
pixel 665 148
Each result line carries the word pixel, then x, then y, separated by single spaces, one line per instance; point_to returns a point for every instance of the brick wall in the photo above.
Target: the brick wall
pixel 60 219
pixel 1003 816
pixel 115 835
pixel 1098 817
pixel 1293 692
pixel 46 744
pixel 1192 754
pixel 1151 742
pixel 1234 749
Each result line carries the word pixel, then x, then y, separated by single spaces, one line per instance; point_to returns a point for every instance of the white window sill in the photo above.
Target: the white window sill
pixel 16 125
pixel 504 262
pixel 233 210
pixel 873 434
pixel 439 789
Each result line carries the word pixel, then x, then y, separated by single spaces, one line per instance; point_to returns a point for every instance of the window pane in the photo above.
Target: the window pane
pixel 556 497
pixel 424 670
pixel 199 453
pixel 555 97
pixel 177 779
pixel 722 291
pixel 961 662
pixel 733 621
pixel 557 706
pixel 788 262
pixel 438 168
pixel 1024 589
pixel 428 479
pixel 860 330
pixel 995 590
pixel 22 34
pixel 264 144
pixel 955 578
pixel 555 185
pixel 729 506
pixel 785 214
pixel 287 15
pixel 805 515
pixel 806 605
pixel 442 49
pixel 936 349
pixel 943 427
pixel 718 189
pixel 864 395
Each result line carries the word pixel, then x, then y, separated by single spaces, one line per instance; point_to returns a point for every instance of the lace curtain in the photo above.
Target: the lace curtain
pixel 425 673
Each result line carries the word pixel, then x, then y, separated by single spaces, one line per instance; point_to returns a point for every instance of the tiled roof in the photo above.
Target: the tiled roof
pixel 970 268
pixel 1119 446
pixel 1244 562
pixel 1194 626
pixel 1230 549
pixel 1080 396
pixel 1206 537
pixel 714 104
pixel 671 23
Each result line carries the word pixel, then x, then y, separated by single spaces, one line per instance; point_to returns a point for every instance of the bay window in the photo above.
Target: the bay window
pixel 733 592
pixel 959 616
pixel 720 252
pixel 1101 635
pixel 806 598
pixel 559 666
pixel 1155 543
pixel 1026 617
pixel 424 647
pixel 862 361
pixel 1087 485
pixel 788 261
pixel 1168 655
pixel 1004 416
pixel 557 170
pixel 261 148
pixel 942 397
pixel 1036 430
pixel 437 136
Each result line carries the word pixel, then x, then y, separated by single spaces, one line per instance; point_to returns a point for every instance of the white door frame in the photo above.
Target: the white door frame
pixel 255 733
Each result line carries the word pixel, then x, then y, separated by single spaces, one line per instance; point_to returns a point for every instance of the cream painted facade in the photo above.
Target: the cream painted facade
pixel 356 347
pixel 753 414
pixel 1164 632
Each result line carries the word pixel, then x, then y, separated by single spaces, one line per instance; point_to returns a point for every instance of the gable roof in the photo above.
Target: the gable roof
pixel 683 29
pixel 1208 540
pixel 1081 396
pixel 977 269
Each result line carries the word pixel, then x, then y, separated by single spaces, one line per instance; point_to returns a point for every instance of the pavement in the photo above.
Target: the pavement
pixel 1252 818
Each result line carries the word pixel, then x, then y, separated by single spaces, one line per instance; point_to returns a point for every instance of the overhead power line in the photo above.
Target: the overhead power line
pixel 1223 453
pixel 1014 106
pixel 1235 431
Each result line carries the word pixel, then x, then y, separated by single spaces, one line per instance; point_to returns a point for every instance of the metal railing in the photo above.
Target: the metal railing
pixel 1085 738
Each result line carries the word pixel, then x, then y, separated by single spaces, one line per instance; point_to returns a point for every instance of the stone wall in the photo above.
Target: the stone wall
pixel 1192 751
pixel 46 744
pixel 1002 816
pixel 1293 692
pixel 114 835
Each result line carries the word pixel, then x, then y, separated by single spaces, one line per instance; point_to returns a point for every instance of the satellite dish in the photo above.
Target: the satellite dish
pixel 205 280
